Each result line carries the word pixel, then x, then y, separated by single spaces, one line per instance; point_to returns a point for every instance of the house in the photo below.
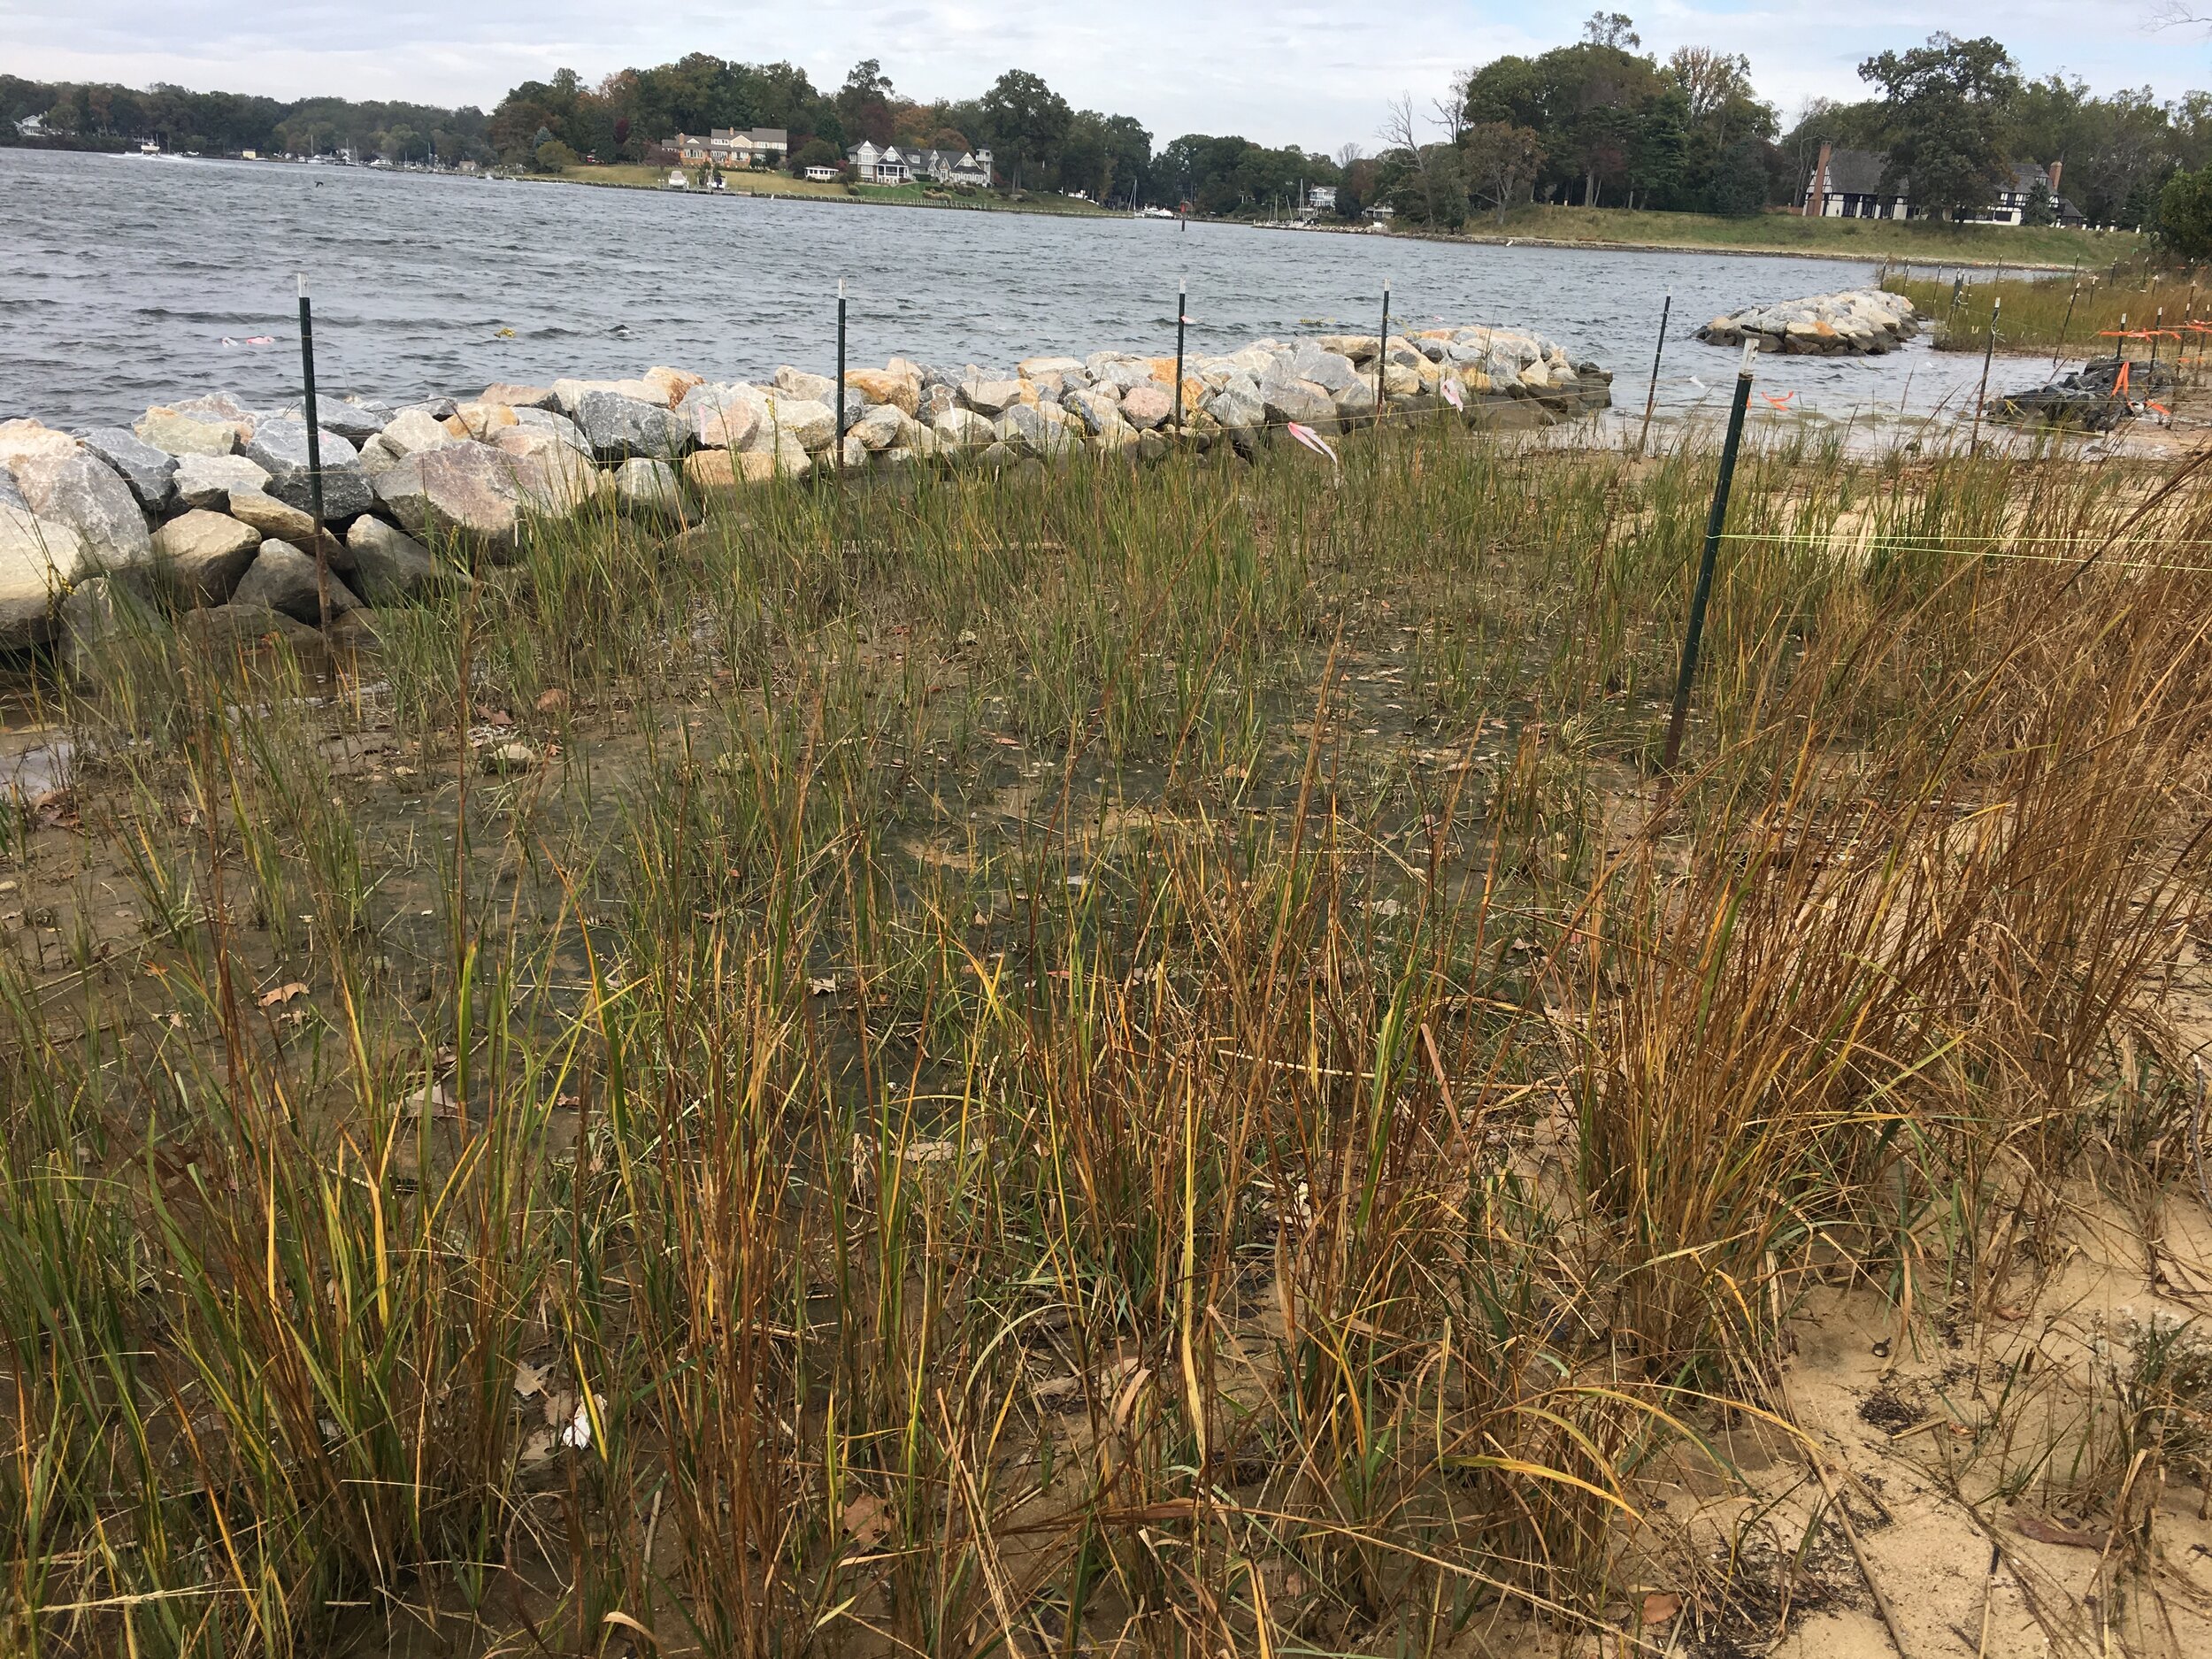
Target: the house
pixel 895 164
pixel 1847 184
pixel 726 147
pixel 1321 198
pixel 821 174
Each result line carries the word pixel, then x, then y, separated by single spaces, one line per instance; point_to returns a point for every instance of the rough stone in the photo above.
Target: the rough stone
pixel 201 555
pixel 207 481
pixel 82 490
pixel 481 420
pixel 356 419
pixel 962 429
pixel 722 417
pixel 150 473
pixel 567 392
pixel 1301 400
pixel 647 490
pixel 878 428
pixel 903 392
pixel 516 396
pixel 10 492
pixel 811 424
pixel 175 432
pixel 417 432
pixel 467 489
pixel 26 440
pixel 673 384
pixel 391 567
pixel 1237 410
pixel 280 448
pixel 619 428
pixel 798 383
pixel 283 578
pixel 270 517
pixel 990 397
pixel 1095 408
pixel 39 559
pixel 1148 406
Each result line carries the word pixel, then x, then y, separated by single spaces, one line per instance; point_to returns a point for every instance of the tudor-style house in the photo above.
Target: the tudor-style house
pixel 726 147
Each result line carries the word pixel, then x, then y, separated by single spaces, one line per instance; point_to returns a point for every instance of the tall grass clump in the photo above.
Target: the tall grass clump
pixel 1134 1058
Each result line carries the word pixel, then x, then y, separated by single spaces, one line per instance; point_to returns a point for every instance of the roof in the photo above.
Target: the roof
pixel 1859 172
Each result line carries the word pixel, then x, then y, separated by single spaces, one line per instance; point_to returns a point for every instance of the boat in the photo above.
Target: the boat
pixel 676 180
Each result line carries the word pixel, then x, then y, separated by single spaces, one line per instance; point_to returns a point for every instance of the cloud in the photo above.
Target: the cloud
pixel 1282 74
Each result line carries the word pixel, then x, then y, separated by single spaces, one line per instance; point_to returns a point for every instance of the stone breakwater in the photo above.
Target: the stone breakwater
pixel 199 513
pixel 1860 323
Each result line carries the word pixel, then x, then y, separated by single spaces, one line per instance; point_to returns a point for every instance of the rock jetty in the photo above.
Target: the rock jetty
pixel 200 509
pixel 1859 323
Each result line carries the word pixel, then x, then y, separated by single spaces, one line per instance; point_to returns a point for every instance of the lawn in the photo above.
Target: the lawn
pixel 1913 239
pixel 765 182
pixel 1133 1059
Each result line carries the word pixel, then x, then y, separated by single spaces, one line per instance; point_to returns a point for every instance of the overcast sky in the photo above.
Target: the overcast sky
pixel 1288 72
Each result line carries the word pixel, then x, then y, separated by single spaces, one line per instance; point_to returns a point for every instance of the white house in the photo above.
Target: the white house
pixel 726 147
pixel 894 164
pixel 1847 184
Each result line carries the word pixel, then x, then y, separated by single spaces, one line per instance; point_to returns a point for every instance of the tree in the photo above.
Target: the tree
pixel 865 102
pixel 2184 214
pixel 1026 122
pixel 2039 210
pixel 552 156
pixel 1944 107
pixel 1503 161
pixel 1615 29
pixel 1738 186
pixel 1402 138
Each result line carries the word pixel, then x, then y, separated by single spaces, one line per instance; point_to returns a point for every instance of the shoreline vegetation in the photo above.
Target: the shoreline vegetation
pixel 1611 229
pixel 1135 1059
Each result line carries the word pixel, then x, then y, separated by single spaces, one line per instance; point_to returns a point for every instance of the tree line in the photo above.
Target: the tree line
pixel 1598 122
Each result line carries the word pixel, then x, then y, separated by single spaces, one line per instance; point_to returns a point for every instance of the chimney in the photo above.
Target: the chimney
pixel 1817 198
pixel 2056 167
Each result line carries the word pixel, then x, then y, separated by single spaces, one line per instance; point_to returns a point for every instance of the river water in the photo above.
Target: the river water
pixel 125 282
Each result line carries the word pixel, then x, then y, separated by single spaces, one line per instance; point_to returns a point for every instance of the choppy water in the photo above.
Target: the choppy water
pixel 121 279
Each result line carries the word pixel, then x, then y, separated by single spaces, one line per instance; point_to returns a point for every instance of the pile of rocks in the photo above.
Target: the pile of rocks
pixel 202 509
pixel 1860 323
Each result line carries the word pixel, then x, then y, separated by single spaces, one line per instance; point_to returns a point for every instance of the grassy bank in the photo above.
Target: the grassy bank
pixel 783 184
pixel 2082 317
pixel 1875 240
pixel 1135 1061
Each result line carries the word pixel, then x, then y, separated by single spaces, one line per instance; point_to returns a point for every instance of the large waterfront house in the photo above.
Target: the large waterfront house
pixel 904 164
pixel 1847 184
pixel 726 147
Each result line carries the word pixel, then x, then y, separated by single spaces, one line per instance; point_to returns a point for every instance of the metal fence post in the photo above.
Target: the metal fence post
pixel 1982 396
pixel 1702 594
pixel 1651 396
pixel 314 454
pixel 1182 321
pixel 841 377
pixel 1382 352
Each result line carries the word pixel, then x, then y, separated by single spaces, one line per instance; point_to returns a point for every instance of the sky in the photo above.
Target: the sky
pixel 1276 71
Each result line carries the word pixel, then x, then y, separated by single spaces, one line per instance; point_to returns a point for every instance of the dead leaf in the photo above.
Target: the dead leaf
pixel 2046 1531
pixel 867 1520
pixel 824 986
pixel 551 701
pixel 282 993
pixel 1660 1606
pixel 530 1379
pixel 537 1448
pixel 499 717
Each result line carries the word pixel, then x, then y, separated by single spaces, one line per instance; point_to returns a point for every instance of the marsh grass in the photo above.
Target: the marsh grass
pixel 1134 1058
pixel 2081 315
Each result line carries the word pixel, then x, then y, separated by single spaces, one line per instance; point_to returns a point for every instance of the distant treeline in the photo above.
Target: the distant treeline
pixel 1598 123
pixel 104 117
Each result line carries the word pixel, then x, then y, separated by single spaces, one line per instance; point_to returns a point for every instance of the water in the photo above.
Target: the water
pixel 121 279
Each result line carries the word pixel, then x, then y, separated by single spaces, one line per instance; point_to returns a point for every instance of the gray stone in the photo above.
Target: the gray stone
pixel 207 481
pixel 722 417
pixel 273 517
pixel 877 427
pixel 1096 408
pixel 1238 410
pixel 990 397
pixel 283 578
pixel 466 489
pixel 151 472
pixel 39 559
pixel 412 431
pixel 812 424
pixel 356 419
pixel 617 427
pixel 1330 370
pixel 962 429
pixel 203 554
pixel 10 492
pixel 518 397
pixel 280 448
pixel 1354 402
pixel 82 490
pixel 647 490
pixel 1301 400
pixel 391 567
